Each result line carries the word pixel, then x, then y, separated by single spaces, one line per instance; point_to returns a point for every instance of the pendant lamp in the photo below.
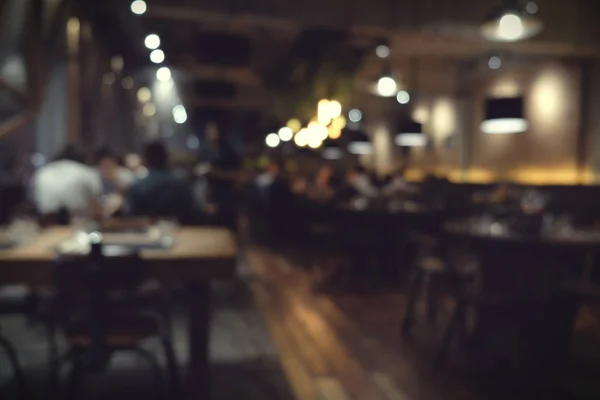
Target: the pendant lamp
pixel 504 116
pixel 358 142
pixel 332 149
pixel 514 20
pixel 410 134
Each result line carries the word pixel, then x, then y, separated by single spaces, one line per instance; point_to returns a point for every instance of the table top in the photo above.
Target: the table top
pixel 495 233
pixel 197 253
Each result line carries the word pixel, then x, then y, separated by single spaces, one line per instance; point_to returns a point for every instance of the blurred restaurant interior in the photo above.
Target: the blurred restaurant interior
pixel 334 199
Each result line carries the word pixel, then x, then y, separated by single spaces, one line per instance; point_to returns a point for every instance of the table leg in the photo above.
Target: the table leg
pixel 198 382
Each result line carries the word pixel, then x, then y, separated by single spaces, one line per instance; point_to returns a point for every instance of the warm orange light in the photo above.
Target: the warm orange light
pixel 339 122
pixel 334 132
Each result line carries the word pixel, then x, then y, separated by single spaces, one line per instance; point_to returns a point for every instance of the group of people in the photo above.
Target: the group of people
pixel 327 186
pixel 68 187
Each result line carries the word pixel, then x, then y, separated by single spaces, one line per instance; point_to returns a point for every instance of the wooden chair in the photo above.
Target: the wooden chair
pixel 435 267
pixel 15 300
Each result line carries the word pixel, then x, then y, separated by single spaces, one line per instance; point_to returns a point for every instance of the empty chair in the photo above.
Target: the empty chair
pixel 99 312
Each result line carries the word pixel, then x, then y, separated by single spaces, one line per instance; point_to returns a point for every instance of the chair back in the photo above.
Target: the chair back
pixel 84 289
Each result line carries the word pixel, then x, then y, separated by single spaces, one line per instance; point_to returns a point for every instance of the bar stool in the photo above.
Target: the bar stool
pixel 435 267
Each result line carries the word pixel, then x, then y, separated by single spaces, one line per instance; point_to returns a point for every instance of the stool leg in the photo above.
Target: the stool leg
pixel 76 376
pixel 411 304
pixel 455 326
pixel 18 373
pixel 433 291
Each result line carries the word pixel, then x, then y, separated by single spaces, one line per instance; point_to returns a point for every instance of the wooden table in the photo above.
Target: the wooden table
pixel 198 256
pixel 533 270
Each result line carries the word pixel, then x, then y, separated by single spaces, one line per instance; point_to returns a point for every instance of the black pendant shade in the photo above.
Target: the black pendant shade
pixel 358 142
pixel 332 149
pixel 504 116
pixel 410 134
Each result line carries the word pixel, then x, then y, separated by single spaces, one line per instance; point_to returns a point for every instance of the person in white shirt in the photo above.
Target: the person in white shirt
pixel 67 185
pixel 116 180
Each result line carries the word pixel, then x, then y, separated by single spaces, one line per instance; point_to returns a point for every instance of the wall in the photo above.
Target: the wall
pixel 548 151
pixel 558 147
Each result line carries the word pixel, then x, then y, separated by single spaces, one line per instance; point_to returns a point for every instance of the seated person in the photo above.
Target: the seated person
pixel 322 189
pixel 397 185
pixel 163 194
pixel 360 182
pixel 66 188
pixel 116 180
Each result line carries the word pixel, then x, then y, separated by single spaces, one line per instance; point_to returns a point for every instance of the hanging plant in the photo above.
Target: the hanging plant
pixel 319 64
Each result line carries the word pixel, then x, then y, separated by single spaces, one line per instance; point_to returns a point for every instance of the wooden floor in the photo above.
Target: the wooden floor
pixel 347 346
pixel 244 361
pixel 328 349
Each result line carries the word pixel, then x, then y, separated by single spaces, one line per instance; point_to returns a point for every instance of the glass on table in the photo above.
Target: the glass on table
pixel 22 229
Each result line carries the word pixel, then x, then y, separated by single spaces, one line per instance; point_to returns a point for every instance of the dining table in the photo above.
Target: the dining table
pixel 196 257
pixel 525 288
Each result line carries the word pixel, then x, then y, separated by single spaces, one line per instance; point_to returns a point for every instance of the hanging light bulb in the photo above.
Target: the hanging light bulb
pixel 335 132
pixel 318 130
pixel 323 113
pixel 138 7
pixel 512 22
pixel 152 41
pixel 301 138
pixel 355 115
pixel 157 56
pixel 272 140
pixel 339 122
pixel 387 86
pixel 285 134
pixel 335 109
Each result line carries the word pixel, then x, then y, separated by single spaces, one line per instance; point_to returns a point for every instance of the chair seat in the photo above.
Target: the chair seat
pixel 122 330
pixel 16 299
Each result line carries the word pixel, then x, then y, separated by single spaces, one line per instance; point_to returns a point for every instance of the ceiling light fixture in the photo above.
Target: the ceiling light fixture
pixel 163 74
pixel 144 94
pixel 359 142
pixel 332 150
pixel 179 114
pixel 152 41
pixel 285 134
pixel 272 140
pixel 386 86
pixel 403 97
pixel 138 7
pixel 495 62
pixel 410 134
pixel 504 116
pixel 355 115
pixel 157 56
pixel 512 22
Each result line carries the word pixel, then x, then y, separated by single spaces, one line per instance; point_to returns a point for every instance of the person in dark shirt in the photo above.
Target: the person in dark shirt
pixel 222 176
pixel 163 194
